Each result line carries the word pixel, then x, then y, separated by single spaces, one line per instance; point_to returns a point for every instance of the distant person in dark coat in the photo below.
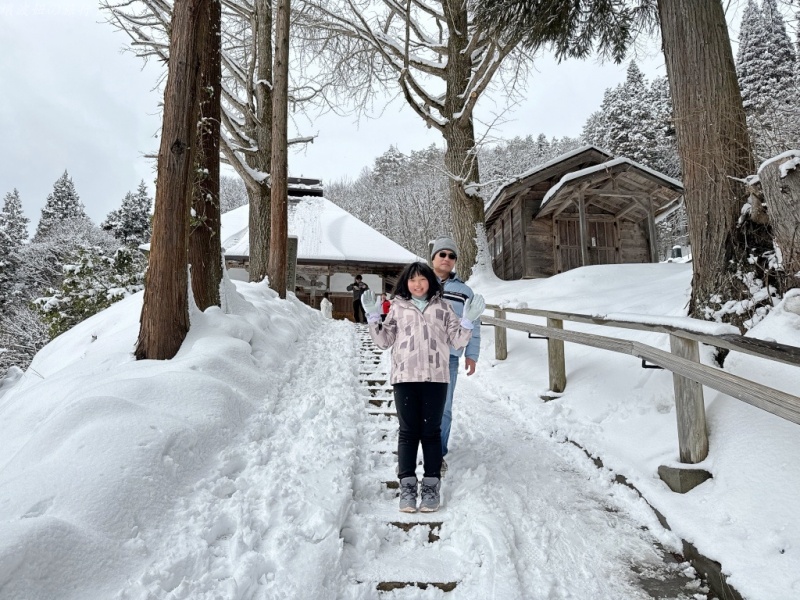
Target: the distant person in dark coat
pixel 358 287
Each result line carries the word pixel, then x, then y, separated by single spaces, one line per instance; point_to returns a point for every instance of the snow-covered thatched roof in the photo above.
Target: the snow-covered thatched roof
pixel 325 233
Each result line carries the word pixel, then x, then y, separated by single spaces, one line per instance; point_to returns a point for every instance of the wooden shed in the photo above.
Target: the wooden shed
pixel 584 207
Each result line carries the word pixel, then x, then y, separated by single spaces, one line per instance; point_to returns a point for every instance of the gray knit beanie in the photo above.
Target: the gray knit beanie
pixel 444 243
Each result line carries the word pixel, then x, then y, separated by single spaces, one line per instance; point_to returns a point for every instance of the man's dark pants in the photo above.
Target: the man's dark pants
pixel 358 312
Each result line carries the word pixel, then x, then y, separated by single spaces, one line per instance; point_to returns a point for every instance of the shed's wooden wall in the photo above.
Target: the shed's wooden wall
pixel 506 244
pixel 539 248
pixel 634 247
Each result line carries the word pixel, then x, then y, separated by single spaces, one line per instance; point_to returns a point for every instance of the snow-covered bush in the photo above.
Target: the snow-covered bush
pixel 94 282
pixel 22 335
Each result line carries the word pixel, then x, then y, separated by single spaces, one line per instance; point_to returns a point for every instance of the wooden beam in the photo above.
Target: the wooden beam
pixel 651 229
pixel 564 207
pixel 584 230
pixel 592 217
pixel 631 207
pixel 610 194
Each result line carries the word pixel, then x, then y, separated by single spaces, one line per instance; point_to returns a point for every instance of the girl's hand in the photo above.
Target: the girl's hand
pixel 370 304
pixel 474 307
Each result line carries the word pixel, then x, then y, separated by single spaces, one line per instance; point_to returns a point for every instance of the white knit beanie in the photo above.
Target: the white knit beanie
pixel 444 243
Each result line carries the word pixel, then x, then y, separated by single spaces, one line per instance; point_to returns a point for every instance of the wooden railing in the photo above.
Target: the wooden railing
pixel 683 360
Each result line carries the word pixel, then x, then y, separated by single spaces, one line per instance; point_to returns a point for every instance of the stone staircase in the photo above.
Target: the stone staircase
pixel 403 550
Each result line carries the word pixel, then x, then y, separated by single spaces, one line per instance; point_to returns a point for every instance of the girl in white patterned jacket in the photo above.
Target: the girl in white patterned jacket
pixel 421 327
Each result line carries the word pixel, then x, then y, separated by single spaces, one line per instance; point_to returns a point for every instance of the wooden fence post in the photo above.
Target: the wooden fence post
pixel 500 337
pixel 555 359
pixel 689 407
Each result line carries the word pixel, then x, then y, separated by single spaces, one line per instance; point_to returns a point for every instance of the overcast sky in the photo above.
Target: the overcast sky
pixel 71 99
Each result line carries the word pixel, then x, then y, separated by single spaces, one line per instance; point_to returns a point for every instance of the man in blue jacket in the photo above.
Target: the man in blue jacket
pixel 444 255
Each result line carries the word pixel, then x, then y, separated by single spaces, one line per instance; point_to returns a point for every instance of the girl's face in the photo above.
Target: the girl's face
pixel 418 285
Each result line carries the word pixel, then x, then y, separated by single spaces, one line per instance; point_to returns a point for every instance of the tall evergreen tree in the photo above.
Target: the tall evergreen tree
pixel 130 223
pixel 634 121
pixel 781 49
pixel 13 232
pixel 628 130
pixel 766 59
pixel 664 155
pixel 751 60
pixel 62 203
pixel 766 64
pixel 12 220
pixel 8 268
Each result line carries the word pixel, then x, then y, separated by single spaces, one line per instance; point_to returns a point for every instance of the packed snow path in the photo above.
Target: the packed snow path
pixel 517 520
pixel 299 506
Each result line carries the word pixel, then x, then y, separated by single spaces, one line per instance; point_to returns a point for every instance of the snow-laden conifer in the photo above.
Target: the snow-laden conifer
pixel 62 204
pixel 767 69
pixel 232 193
pixel 131 223
pixel 12 220
pixel 13 232
pixel 634 121
pixel 92 283
pixel 752 60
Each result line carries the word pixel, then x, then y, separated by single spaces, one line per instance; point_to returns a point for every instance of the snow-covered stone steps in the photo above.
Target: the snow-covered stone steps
pixel 382 414
pixel 376 382
pixel 380 403
pixel 416 562
pixel 434 527
pixel 409 556
pixel 390 586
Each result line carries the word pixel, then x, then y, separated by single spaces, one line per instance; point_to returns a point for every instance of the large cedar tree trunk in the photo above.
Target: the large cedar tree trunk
pixel 279 171
pixel 259 127
pixel 205 252
pixel 165 315
pixel 459 134
pixel 713 144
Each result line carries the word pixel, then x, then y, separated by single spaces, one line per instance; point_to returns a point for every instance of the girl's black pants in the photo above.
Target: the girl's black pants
pixel 419 409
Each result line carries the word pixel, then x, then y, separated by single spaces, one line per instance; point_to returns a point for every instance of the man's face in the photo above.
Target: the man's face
pixel 444 262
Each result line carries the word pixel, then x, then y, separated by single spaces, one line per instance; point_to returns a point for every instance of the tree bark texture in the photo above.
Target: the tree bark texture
pixel 782 196
pixel 165 315
pixel 259 128
pixel 205 251
pixel 459 134
pixel 279 172
pixel 713 143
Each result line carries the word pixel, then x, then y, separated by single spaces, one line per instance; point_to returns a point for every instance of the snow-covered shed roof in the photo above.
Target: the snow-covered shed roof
pixel 611 182
pixel 616 185
pixel 552 170
pixel 326 233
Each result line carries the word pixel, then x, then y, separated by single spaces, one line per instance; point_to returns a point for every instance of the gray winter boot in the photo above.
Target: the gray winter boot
pixel 408 494
pixel 430 494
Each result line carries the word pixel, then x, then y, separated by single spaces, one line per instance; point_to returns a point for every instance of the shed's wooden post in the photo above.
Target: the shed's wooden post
pixel 651 230
pixel 555 358
pixel 584 229
pixel 689 407
pixel 500 340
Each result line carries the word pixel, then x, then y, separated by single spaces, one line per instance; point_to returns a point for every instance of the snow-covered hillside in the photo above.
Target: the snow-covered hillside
pixel 239 468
